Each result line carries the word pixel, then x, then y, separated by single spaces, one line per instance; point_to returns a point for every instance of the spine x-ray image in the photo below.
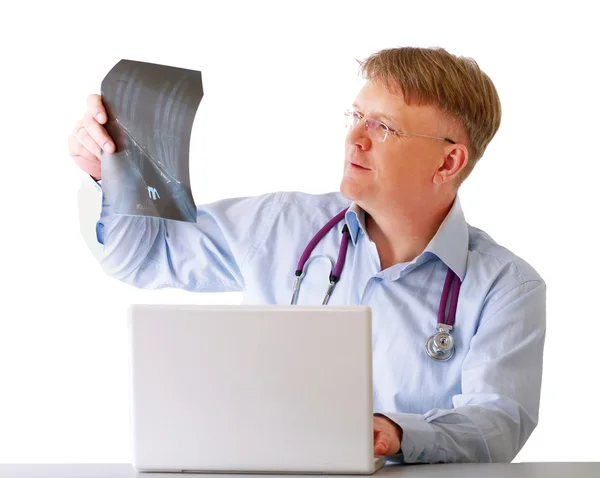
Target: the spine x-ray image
pixel 151 110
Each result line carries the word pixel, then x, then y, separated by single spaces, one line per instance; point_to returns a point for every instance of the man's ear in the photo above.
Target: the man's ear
pixel 456 157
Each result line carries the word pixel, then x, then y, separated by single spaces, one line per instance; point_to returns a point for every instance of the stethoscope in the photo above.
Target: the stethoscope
pixel 440 346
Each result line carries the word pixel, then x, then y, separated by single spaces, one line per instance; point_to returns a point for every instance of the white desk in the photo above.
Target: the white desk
pixel 471 470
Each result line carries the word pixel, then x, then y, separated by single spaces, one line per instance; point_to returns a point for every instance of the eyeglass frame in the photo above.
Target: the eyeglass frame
pixel 378 123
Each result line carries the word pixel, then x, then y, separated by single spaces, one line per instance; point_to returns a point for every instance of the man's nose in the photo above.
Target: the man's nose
pixel 358 136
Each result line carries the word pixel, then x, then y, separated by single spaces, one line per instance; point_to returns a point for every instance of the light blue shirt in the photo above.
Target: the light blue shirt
pixel 480 406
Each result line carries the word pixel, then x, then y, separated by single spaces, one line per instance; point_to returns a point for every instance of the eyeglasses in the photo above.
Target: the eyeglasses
pixel 380 130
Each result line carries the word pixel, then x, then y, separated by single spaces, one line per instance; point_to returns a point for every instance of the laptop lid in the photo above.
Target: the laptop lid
pixel 283 389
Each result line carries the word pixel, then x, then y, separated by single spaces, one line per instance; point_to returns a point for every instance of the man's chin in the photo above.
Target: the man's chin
pixel 345 194
pixel 350 191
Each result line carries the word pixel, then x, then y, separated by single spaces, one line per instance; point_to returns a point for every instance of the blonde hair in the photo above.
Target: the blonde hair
pixel 455 85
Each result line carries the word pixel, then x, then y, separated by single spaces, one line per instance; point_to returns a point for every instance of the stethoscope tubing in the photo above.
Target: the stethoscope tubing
pixel 439 346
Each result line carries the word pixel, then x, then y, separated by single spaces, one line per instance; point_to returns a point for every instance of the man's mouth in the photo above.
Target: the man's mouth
pixel 358 166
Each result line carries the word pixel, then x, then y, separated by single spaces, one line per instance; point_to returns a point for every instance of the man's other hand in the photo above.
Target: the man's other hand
pixel 387 435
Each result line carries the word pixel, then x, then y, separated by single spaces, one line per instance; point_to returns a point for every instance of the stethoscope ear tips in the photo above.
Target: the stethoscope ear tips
pixel 440 346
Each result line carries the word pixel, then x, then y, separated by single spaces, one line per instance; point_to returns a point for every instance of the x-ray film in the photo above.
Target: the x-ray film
pixel 151 110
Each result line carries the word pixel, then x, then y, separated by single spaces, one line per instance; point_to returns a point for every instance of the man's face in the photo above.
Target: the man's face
pixel 400 170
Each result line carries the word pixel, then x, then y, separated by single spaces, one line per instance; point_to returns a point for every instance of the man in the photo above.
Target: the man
pixel 417 128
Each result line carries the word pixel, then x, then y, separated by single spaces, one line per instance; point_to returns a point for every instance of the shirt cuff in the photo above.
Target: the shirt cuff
pixel 418 438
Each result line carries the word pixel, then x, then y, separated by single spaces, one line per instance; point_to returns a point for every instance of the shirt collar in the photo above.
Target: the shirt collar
pixel 450 243
pixel 355 220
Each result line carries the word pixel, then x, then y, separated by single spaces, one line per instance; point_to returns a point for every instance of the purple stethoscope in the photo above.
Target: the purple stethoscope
pixel 440 346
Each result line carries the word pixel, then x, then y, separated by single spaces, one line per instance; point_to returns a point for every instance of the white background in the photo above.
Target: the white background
pixel 277 77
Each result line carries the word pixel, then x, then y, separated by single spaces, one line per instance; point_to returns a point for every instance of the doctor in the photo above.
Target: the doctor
pixel 458 320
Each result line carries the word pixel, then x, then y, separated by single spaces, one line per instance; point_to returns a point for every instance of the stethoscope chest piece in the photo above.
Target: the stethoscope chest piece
pixel 440 346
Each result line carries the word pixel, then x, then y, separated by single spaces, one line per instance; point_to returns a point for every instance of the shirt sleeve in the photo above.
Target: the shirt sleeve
pixel 501 382
pixel 152 253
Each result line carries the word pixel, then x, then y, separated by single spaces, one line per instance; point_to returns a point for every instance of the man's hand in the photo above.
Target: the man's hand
pixel 387 435
pixel 89 138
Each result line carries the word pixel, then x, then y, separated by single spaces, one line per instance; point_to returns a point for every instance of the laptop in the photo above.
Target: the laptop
pixel 251 389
